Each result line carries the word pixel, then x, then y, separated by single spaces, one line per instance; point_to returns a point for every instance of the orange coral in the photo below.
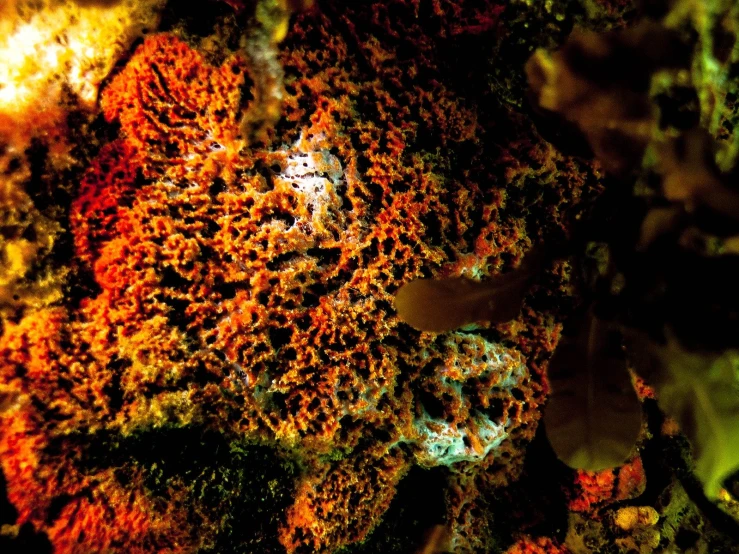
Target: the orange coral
pixel 324 515
pixel 604 487
pixel 594 487
pixel 631 480
pixel 305 353
pixel 538 545
pixel 248 290
pixel 293 197
pixel 176 108
pixel 89 511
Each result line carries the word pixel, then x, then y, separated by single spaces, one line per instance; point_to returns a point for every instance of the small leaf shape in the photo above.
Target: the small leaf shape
pixel 593 418
pixel 440 305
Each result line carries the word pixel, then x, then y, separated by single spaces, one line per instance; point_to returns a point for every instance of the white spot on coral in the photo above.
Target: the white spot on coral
pixel 316 174
pixel 440 442
pixel 444 443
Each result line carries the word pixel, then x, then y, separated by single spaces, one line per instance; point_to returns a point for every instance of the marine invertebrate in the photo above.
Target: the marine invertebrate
pixel 306 359
pixel 235 292
pixel 539 545
pixel 53 62
pixel 189 238
pixel 322 510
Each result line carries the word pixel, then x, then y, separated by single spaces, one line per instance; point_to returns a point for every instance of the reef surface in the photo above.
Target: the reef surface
pixel 206 213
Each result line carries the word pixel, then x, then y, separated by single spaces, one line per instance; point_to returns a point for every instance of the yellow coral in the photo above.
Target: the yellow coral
pixel 27 236
pixel 631 517
pixel 640 522
pixel 47 44
pixel 49 49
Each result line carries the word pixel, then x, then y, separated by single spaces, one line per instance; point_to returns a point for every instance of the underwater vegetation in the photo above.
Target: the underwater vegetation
pixel 292 277
pixel 683 196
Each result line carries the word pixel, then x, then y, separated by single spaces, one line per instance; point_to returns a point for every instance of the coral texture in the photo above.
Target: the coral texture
pixel 226 371
pixel 258 282
pixel 250 290
pixel 55 54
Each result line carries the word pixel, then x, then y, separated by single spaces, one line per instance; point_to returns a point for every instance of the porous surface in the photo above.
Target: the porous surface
pixel 55 55
pixel 223 369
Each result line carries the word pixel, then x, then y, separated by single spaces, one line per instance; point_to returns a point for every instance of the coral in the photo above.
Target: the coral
pixel 226 370
pixel 324 514
pixel 89 510
pixel 250 290
pixel 639 521
pixel 172 120
pixel 53 63
pixel 607 486
pixel 540 545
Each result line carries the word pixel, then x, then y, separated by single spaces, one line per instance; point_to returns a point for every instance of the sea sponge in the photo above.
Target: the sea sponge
pixel 262 267
pixel 245 289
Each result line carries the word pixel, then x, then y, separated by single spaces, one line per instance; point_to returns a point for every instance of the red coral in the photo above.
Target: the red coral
pixel 111 515
pixel 173 107
pixel 89 511
pixel 594 488
pixel 631 479
pixel 110 183
pixel 325 517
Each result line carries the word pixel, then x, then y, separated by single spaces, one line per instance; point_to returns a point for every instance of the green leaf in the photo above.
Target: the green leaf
pixel 700 390
pixel 441 305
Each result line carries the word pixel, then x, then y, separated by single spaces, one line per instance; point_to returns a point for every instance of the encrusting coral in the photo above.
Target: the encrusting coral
pixel 226 370
pixel 291 297
pixel 250 290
